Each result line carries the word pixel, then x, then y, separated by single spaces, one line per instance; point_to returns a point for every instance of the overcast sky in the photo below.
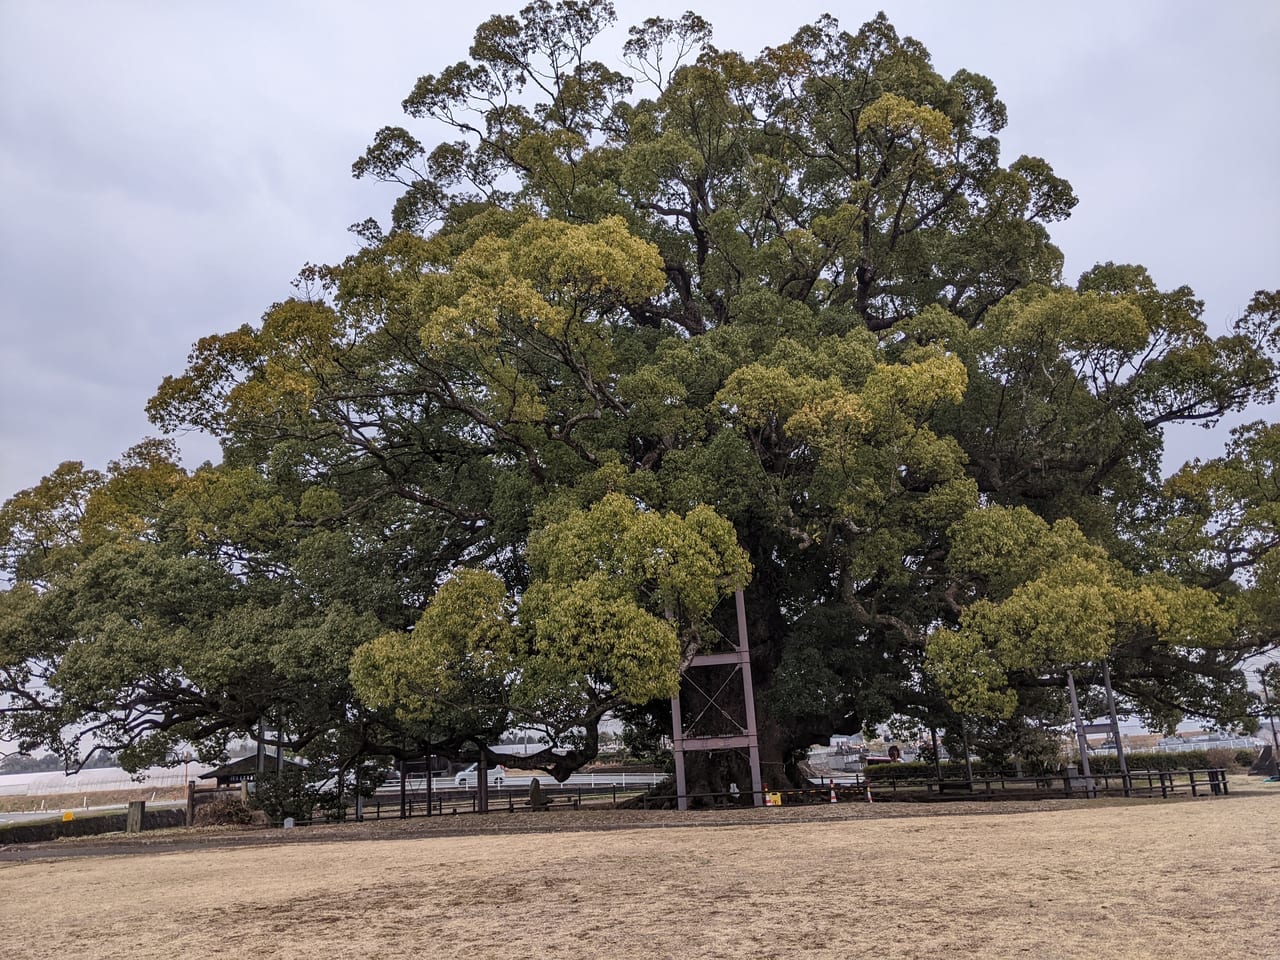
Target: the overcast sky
pixel 166 168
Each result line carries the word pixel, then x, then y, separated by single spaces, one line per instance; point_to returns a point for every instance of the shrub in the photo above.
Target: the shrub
pixel 1155 760
pixel 289 793
pixel 951 770
pixel 1246 758
pixel 223 812
pixel 1221 757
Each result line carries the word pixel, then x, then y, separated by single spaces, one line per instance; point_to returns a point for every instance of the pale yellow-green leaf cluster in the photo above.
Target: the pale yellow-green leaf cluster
pixel 613 588
pixel 899 117
pixel 1053 601
pixel 463 646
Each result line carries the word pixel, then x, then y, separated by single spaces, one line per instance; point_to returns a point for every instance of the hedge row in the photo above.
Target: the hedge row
pixel 951 770
pixel 1186 760
pixel 955 769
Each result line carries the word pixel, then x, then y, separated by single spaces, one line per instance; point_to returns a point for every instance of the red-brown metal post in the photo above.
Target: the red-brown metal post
pixel 749 697
pixel 740 659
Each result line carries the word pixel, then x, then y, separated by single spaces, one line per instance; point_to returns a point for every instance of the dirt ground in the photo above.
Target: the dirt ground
pixel 891 881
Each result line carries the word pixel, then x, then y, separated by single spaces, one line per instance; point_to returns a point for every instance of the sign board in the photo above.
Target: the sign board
pixel 1097 728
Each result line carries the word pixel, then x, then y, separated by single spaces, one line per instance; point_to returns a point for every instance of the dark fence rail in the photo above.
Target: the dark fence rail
pixel 1137 783
pixel 1163 783
pixel 456 800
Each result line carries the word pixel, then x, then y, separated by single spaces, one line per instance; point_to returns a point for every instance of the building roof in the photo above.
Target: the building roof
pixel 246 768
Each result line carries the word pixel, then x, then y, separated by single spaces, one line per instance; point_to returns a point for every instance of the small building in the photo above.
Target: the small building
pixel 245 770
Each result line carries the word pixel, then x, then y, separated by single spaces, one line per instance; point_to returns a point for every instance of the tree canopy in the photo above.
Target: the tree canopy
pixel 629 341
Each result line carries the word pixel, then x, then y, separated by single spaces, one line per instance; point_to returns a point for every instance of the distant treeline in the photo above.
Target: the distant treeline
pixel 48 763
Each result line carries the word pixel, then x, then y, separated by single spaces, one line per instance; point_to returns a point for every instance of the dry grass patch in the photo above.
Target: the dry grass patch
pixel 57 802
pixel 1141 880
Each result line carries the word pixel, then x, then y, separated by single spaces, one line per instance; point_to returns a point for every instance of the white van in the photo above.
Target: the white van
pixel 469 776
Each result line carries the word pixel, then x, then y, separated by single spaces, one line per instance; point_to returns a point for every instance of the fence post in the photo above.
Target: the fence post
pixel 402 788
pixel 133 819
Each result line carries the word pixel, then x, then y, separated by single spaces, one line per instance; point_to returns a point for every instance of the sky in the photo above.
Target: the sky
pixel 166 168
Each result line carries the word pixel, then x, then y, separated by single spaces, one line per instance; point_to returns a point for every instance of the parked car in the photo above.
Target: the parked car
pixel 469 776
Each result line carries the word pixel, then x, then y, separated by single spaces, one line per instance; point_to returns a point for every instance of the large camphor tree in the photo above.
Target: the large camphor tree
pixel 632 340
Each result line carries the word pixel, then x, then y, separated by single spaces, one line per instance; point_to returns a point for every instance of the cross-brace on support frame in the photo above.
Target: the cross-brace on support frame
pixel 740 658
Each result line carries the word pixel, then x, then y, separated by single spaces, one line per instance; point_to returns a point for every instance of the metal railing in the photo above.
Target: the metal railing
pixel 449 801
pixel 1137 783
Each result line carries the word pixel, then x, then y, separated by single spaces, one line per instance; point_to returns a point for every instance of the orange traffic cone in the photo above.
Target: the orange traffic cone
pixel 767 802
pixel 869 800
pixel 833 791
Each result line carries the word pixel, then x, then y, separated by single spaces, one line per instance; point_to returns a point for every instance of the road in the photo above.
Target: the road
pixel 42 815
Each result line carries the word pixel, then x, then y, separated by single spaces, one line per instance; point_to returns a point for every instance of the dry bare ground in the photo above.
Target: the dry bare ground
pixel 893 881
pixel 22 803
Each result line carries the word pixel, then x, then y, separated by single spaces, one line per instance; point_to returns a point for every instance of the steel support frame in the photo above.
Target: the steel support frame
pixel 749 738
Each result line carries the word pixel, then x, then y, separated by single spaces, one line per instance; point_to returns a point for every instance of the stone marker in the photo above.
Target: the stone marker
pixel 133 819
pixel 536 800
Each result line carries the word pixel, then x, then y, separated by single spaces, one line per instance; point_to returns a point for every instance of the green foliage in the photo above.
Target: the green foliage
pixel 1053 600
pixel 643 745
pixel 1245 758
pixel 1099 764
pixel 462 650
pixel 156 618
pixel 924 770
pixel 1185 760
pixel 292 792
pixel 632 339
pixel 618 597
